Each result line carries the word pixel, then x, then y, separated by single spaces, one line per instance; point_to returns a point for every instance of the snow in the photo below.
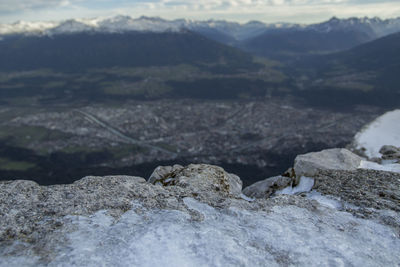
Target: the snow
pixel 237 30
pixel 326 201
pixel 394 167
pixel 287 235
pixel 249 199
pixel 70 26
pixel 305 185
pixel 385 130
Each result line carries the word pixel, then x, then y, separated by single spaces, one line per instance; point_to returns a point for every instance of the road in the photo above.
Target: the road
pixel 121 135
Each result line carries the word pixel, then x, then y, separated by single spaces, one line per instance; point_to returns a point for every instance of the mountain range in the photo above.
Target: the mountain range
pixel 121 24
pixel 351 60
pixel 282 41
pixel 374 27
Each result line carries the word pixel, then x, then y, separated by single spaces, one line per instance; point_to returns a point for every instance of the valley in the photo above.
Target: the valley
pixel 127 95
pixel 253 138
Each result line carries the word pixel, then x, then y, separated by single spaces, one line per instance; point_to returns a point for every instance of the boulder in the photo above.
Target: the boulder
pixel 390 153
pixel 330 159
pixel 201 178
pixel 24 204
pixel 161 174
pixel 387 150
pixel 267 187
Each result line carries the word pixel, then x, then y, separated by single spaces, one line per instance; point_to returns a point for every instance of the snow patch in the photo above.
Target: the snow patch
pixel 393 167
pixel 305 185
pixel 288 235
pixel 243 196
pixel 385 130
pixel 325 200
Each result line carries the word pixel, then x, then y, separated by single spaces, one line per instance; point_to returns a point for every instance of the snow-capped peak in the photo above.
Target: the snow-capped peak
pixel 375 27
pixel 71 26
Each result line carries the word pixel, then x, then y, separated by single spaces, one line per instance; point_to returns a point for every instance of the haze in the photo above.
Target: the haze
pixel 300 11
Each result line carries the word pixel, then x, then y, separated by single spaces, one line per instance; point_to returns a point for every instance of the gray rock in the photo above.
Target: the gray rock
pixel 366 191
pixel 39 215
pixel 330 159
pixel 390 153
pixel 267 187
pixel 387 150
pixel 162 174
pixel 362 187
pixel 24 204
pixel 198 177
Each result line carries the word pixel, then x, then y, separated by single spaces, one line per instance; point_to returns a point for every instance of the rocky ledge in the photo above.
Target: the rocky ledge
pixel 332 195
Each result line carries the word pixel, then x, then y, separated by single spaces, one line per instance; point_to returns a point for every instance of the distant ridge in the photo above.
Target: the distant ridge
pixel 77 51
pixel 331 36
pixel 376 27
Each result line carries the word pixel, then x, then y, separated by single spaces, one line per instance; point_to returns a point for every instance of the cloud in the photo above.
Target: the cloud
pixel 266 10
pixel 22 5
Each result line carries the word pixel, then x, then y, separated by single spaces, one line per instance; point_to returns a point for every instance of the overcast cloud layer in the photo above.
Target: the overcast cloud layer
pixel 303 11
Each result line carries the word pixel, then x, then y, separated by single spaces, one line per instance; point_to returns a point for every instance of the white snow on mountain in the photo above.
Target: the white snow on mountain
pixel 375 27
pixel 70 26
pixel 385 130
pixel 126 23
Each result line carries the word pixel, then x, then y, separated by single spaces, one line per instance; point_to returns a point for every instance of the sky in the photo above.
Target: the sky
pixel 299 11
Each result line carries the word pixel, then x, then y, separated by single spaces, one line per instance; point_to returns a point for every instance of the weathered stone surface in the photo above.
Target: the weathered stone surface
pixel 198 177
pixel 162 173
pixel 366 191
pixel 23 204
pixel 267 187
pixel 330 159
pixel 39 215
pixel 387 150
pixel 362 187
pixel 390 153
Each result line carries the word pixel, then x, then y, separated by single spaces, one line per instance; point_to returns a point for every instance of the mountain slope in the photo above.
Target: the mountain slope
pixel 285 44
pixel 326 37
pixel 228 32
pixel 222 30
pixel 368 73
pixel 379 58
pixel 75 52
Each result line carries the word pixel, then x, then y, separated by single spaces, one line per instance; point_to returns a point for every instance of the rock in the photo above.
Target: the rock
pixel 198 177
pixel 390 153
pixel 363 188
pixel 23 204
pixel 387 150
pixel 267 187
pixel 162 174
pixel 330 159
pixel 123 217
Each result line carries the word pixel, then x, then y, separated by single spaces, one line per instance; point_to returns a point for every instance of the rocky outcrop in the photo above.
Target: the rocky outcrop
pixel 41 225
pixel 163 174
pixel 390 153
pixel 331 159
pixel 267 187
pixel 362 188
pixel 24 204
pixel 301 177
pixel 198 177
